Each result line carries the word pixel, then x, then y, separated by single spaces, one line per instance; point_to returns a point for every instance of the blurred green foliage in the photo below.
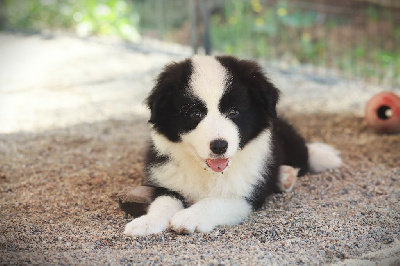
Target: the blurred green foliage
pixel 85 17
pixel 300 34
pixel 248 25
pixel 284 30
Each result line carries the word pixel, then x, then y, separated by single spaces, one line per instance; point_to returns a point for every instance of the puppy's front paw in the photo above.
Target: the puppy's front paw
pixel 190 220
pixel 145 225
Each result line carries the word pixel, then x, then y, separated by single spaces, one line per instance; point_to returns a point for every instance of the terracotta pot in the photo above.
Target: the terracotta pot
pixel 382 113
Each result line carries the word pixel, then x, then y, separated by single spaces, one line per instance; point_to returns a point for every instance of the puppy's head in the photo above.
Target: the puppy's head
pixel 210 108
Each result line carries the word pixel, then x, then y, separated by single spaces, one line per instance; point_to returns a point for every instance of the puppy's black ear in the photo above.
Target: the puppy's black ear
pixel 269 95
pixel 156 100
pixel 262 89
pixel 172 80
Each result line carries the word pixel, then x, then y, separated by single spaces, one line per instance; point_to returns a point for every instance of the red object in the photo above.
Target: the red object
pixel 382 113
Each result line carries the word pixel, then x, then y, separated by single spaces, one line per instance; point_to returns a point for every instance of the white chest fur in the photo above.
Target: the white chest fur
pixel 187 174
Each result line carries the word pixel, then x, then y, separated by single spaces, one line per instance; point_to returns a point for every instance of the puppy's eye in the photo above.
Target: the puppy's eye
pixel 196 114
pixel 232 112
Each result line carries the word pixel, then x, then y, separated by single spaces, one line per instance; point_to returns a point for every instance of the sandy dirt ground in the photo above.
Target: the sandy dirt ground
pixel 74 135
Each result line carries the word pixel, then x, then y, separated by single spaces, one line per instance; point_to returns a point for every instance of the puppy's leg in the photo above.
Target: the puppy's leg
pixel 208 213
pixel 156 219
pixel 287 178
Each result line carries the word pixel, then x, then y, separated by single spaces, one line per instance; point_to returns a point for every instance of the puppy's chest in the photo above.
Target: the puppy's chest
pixel 195 183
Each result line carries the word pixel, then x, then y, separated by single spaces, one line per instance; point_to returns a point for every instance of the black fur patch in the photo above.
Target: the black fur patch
pixel 170 103
pixel 154 159
pixel 251 94
pixel 294 151
pixel 288 148
pixel 251 75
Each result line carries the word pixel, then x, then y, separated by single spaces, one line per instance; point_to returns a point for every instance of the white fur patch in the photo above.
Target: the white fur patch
pixel 208 213
pixel 322 157
pixel 187 174
pixel 157 218
pixel 208 82
pixel 213 126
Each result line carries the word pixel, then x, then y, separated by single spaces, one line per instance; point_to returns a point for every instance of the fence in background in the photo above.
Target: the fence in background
pixel 351 38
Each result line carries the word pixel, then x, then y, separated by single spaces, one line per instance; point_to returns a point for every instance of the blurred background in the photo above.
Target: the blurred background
pixel 65 62
pixel 351 38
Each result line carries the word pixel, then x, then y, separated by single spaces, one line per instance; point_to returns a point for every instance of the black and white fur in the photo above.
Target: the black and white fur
pixel 218 149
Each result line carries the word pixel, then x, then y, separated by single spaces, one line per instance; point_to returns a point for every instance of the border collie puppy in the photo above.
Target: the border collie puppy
pixel 218 148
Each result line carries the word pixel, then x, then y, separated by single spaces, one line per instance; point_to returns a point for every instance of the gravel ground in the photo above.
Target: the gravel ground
pixel 74 135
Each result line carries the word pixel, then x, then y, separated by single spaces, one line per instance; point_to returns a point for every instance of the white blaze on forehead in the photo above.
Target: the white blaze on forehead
pixel 208 80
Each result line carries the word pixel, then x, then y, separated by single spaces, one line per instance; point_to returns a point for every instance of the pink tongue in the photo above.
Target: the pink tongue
pixel 217 165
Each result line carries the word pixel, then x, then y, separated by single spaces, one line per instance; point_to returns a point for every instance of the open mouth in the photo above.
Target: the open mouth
pixel 217 165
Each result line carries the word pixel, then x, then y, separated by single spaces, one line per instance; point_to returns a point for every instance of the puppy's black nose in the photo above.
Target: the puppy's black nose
pixel 219 146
